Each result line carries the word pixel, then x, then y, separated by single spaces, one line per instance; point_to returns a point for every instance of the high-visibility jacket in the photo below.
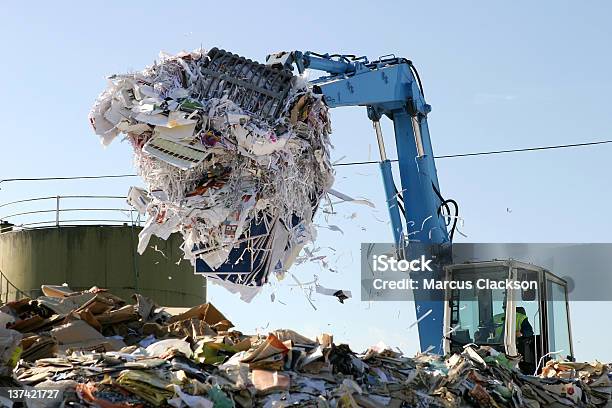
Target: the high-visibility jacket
pixel 499 319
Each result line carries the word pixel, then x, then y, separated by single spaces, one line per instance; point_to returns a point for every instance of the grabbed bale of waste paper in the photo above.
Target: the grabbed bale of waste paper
pixel 235 156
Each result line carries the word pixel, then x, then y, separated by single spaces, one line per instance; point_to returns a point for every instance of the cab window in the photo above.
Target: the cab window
pixel 558 324
pixel 477 315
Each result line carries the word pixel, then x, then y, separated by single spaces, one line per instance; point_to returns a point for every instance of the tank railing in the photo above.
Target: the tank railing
pixel 56 210
pixel 63 196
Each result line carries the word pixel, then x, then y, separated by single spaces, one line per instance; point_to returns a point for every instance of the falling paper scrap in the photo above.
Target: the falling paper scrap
pixel 342 295
pixel 234 155
pixel 344 198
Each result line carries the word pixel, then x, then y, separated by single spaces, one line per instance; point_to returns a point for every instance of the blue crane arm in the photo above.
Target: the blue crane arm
pixel 390 87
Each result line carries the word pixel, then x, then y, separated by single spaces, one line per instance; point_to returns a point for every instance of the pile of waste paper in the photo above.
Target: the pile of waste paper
pixel 235 155
pixel 96 350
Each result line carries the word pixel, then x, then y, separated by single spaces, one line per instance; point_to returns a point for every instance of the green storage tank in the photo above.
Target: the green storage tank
pixel 97 255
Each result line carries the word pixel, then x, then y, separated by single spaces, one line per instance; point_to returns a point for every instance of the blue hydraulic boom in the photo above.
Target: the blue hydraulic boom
pixel 391 87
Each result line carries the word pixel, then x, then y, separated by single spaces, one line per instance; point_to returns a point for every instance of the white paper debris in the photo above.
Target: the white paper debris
pixel 342 295
pixel 186 400
pixel 345 198
pixel 427 313
pixel 138 198
pixel 163 347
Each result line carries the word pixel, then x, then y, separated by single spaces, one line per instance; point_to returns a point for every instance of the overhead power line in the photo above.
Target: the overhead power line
pixel 485 153
pixel 447 156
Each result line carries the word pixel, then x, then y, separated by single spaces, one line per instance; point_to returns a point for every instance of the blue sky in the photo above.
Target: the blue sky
pixel 497 74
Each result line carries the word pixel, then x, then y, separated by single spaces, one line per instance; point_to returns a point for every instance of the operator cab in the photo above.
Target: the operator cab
pixel 514 307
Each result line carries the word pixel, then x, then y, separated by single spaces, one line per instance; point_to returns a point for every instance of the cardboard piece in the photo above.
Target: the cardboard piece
pixel 78 335
pixel 206 312
pixel 57 291
pixel 269 354
pixel 269 381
